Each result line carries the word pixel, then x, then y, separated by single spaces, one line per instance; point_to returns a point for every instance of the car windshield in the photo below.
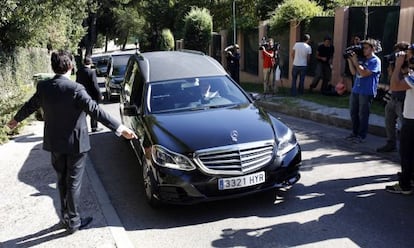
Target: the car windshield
pixel 100 60
pixel 119 64
pixel 193 94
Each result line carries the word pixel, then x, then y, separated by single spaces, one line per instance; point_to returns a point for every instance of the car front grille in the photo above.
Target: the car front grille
pixel 235 159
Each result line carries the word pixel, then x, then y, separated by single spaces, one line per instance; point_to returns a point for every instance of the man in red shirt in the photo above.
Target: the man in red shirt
pixel 267 53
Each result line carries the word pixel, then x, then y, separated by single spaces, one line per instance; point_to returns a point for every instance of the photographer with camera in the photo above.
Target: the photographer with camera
pixel 402 79
pixel 268 54
pixel 355 40
pixel 233 61
pixel 367 70
pixel 323 70
pixel 394 107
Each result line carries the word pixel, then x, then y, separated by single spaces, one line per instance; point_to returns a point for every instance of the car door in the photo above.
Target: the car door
pixel 132 98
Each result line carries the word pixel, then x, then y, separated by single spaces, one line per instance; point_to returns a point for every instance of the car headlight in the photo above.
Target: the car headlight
pixel 164 157
pixel 286 143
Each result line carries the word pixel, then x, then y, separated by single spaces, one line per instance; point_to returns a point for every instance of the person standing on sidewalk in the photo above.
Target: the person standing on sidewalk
pixel 367 71
pixel 406 83
pixel 323 70
pixel 233 61
pixel 394 107
pixel 267 53
pixel 65 104
pixel 301 56
pixel 87 77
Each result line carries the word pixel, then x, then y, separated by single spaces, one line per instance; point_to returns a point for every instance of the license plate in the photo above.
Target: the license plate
pixel 243 181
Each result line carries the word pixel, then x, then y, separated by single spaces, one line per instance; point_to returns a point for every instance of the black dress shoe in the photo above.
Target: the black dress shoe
pixel 84 223
pixel 96 129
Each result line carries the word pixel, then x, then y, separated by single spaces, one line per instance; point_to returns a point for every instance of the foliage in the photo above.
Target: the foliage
pixel 265 8
pixel 16 73
pixel 197 29
pixel 299 11
pixel 332 4
pixel 329 6
pixel 167 40
pixel 48 23
pixel 129 23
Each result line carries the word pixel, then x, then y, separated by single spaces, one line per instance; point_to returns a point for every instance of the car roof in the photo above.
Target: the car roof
pixel 123 52
pixel 168 65
pixel 99 55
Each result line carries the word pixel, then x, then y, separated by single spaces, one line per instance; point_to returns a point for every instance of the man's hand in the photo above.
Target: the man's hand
pixel 12 124
pixel 129 134
pixel 399 61
pixel 354 59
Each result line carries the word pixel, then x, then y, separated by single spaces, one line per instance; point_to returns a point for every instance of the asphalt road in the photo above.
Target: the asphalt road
pixel 339 201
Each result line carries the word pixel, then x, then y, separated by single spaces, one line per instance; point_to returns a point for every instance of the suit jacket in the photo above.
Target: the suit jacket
pixel 87 77
pixel 65 105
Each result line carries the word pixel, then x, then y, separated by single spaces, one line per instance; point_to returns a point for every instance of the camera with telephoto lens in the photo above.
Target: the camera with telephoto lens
pixel 390 58
pixel 357 49
pixel 264 43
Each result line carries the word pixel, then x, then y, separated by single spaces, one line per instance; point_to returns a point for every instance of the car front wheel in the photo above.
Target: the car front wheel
pixel 149 185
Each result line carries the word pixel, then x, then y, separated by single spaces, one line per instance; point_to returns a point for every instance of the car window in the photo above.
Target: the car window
pixel 193 94
pixel 119 65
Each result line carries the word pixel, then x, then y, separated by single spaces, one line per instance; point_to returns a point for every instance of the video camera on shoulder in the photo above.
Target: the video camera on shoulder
pixel 357 49
pixel 266 44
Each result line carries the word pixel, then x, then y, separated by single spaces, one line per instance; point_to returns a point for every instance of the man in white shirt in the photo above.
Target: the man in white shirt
pixel 301 55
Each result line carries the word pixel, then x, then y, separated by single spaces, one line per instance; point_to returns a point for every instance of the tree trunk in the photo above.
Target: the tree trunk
pixel 106 43
pixel 91 36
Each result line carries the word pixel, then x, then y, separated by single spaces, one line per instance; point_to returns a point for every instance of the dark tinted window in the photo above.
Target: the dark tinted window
pixel 119 64
pixel 193 94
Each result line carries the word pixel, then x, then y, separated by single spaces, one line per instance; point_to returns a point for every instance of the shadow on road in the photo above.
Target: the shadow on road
pixel 362 211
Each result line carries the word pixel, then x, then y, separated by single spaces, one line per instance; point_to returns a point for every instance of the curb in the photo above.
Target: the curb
pixel 112 219
pixel 314 115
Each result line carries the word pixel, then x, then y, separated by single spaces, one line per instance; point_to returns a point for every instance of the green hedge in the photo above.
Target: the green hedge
pixel 16 81
pixel 197 29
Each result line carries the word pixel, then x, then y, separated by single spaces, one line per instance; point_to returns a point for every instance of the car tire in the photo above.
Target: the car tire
pixel 149 185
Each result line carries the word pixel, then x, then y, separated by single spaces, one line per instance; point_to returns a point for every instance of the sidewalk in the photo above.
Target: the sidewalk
pixel 338 117
pixel 29 200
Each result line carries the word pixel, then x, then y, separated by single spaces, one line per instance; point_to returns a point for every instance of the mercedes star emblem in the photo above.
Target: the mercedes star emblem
pixel 234 135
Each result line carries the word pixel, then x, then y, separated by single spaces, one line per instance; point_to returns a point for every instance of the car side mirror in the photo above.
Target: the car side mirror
pixel 255 96
pixel 131 110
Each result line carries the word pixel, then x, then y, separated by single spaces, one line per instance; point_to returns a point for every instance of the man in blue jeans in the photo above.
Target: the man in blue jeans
pixel 301 55
pixel 367 70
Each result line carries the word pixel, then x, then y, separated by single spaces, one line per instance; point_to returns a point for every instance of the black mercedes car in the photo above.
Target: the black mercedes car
pixel 117 63
pixel 201 136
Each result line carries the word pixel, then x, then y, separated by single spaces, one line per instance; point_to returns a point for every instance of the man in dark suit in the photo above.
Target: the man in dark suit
pixel 65 104
pixel 87 77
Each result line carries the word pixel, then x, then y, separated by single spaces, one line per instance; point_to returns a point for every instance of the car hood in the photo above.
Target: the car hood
pixel 193 130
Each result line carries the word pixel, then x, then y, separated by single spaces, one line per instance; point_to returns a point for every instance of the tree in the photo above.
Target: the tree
pixel 34 19
pixel 167 40
pixel 299 11
pixel 197 29
pixel 266 8
pixel 129 23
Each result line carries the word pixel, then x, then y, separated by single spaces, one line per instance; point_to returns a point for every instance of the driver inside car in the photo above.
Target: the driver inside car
pixel 206 92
